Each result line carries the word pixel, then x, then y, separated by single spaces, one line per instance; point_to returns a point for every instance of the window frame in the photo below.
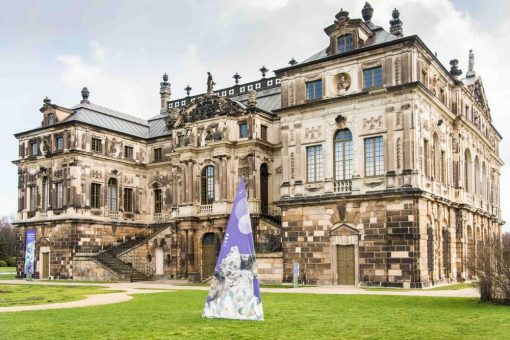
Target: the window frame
pixel 59 188
pixel 347 151
pixel 315 96
pixel 158 201
pixel 95 195
pixel 158 154
pixel 263 132
pixel 96 145
pixel 127 201
pixel 344 38
pixel 376 160
pixel 207 194
pixel 128 152
pixel 317 164
pixel 241 125
pixel 373 83
pixel 58 146
pixel 112 195
pixel 34 148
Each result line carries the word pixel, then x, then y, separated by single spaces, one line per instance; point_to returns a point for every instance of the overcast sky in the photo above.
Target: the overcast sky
pixel 120 49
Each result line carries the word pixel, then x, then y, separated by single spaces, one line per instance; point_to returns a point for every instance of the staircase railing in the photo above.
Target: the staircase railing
pixel 138 264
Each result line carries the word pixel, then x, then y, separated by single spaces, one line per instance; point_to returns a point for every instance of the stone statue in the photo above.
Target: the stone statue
pixel 344 83
pixel 210 84
pixel 252 98
pixel 471 65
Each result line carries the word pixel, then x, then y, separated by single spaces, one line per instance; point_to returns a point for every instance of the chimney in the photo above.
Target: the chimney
pixel 165 91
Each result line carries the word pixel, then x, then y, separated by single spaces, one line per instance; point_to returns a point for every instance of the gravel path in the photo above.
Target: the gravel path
pixel 130 288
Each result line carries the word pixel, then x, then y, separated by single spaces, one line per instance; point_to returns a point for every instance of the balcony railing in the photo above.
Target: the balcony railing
pixel 343 186
pixel 112 214
pixel 206 208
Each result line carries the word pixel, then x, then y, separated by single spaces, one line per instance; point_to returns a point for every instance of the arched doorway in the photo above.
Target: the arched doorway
pixel 264 188
pixel 160 270
pixel 208 255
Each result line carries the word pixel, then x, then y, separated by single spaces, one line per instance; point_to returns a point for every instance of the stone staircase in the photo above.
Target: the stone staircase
pixel 124 266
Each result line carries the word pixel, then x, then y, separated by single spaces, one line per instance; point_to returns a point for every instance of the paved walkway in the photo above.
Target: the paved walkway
pixel 129 288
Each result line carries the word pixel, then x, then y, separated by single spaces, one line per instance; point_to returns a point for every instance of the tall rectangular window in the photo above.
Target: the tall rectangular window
pixel 46 193
pixel 157 201
pixel 426 158
pixel 314 163
pixel 244 131
pixel 128 200
pixel 158 155
pixel 345 43
pixel 314 90
pixel 263 132
pixel 374 156
pixel 372 77
pixel 128 152
pixel 33 198
pixel 443 167
pixel 60 195
pixel 95 194
pixel 96 145
pixel 60 143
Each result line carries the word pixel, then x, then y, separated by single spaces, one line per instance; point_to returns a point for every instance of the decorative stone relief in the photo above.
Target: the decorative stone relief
pixel 398 119
pixel 115 148
pixel 343 83
pixel 372 123
pixel 94 174
pixel 292 95
pixel 313 132
pixel 399 153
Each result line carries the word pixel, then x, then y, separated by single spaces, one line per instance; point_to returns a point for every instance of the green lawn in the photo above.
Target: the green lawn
pixel 455 286
pixel 11 273
pixel 22 295
pixel 177 315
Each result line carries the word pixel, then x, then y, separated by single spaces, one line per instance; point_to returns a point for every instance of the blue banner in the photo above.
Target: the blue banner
pixel 235 291
pixel 29 251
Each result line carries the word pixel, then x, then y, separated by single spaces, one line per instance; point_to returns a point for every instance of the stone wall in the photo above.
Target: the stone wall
pixel 87 269
pixel 270 268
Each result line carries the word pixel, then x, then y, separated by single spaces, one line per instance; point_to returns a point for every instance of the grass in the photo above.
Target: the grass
pixel 455 286
pixel 23 295
pixel 11 273
pixel 177 315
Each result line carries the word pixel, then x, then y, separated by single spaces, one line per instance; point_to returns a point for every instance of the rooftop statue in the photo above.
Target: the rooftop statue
pixel 471 65
pixel 210 84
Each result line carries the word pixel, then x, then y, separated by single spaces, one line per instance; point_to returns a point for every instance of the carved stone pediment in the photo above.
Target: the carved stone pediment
pixel 343 230
pixel 204 108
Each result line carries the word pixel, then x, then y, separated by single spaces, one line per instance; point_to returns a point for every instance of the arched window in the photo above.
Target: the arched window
pixel 343 155
pixel 112 194
pixel 207 185
pixel 51 119
pixel 467 171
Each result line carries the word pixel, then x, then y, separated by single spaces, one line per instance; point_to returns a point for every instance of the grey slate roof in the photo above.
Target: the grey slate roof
pixel 267 100
pixel 110 119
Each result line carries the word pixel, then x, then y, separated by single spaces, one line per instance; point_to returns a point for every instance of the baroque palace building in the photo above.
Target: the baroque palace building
pixel 369 163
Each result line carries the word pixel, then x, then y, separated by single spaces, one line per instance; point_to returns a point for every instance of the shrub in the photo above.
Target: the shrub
pixel 11 261
pixel 3 263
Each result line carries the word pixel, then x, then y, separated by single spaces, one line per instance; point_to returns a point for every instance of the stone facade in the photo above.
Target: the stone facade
pixel 369 163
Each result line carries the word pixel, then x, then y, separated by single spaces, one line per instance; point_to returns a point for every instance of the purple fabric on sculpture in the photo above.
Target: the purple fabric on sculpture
pixel 235 291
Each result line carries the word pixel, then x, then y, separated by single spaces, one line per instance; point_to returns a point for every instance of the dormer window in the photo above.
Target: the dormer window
pixel 51 119
pixel 344 43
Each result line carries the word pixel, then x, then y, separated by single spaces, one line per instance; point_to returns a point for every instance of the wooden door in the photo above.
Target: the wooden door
pixel 345 265
pixel 45 265
pixel 264 188
pixel 208 255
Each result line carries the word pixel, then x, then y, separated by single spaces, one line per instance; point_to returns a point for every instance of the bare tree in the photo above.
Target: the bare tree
pixel 8 234
pixel 492 268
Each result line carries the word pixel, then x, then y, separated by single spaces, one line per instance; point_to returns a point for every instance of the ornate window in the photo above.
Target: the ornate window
pixel 372 77
pixel 51 119
pixel 112 194
pixel 374 156
pixel 207 179
pixel 314 90
pixel 314 163
pixel 426 157
pixel 34 149
pixel 95 194
pixel 345 43
pixel 467 171
pixel 157 201
pixel 60 195
pixel 128 200
pixel 343 155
